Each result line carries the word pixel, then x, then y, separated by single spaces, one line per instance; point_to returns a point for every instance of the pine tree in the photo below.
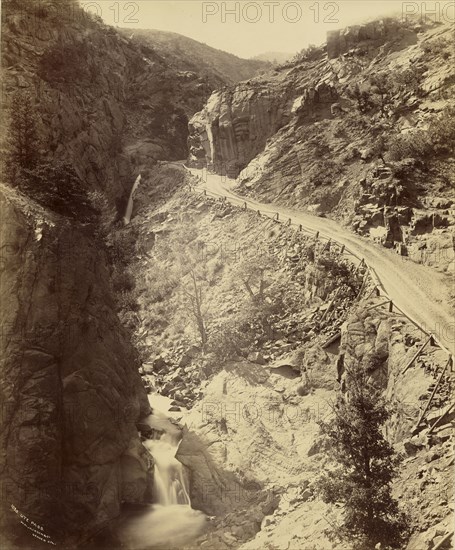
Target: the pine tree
pixel 367 465
pixel 23 142
pixel 382 86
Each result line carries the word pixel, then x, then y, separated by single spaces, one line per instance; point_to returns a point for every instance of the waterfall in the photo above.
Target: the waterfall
pixel 169 523
pixel 129 206
pixel 169 481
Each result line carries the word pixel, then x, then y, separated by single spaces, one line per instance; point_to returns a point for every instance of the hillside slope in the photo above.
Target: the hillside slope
pixel 361 130
pixel 185 54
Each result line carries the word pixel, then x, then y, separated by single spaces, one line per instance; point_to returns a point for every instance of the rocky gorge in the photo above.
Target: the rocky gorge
pixel 71 392
pixel 331 132
pixel 163 376
pixel 249 411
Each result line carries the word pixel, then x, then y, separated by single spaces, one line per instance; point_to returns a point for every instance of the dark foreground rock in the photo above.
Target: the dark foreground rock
pixel 70 388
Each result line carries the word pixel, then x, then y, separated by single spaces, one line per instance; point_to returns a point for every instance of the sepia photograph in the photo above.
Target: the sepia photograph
pixel 227 259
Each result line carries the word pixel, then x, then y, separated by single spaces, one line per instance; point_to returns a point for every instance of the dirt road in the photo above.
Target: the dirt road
pixel 419 291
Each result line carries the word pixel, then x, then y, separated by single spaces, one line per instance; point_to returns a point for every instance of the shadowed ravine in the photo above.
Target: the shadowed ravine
pixel 173 332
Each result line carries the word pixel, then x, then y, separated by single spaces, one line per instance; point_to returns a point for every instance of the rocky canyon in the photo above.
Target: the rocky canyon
pixel 204 259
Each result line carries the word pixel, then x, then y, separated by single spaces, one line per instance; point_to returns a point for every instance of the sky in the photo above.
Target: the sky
pixel 246 28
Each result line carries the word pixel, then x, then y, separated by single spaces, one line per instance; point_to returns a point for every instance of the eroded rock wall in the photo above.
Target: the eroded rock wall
pixel 385 343
pixel 236 123
pixel 70 388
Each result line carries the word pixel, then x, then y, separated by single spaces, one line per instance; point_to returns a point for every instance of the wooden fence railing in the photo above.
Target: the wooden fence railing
pixel 370 273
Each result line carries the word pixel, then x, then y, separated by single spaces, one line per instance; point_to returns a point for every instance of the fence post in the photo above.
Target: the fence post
pixel 300 227
pixel 390 306
pixel 362 261
pixel 259 213
pixel 244 205
pixel 442 542
pixel 430 341
pixel 342 249
pixel 277 215
pixel 205 192
pixel 289 221
pixel 441 418
pixel 316 235
pixel 427 406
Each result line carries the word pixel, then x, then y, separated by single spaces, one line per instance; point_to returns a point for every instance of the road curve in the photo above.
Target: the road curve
pixel 419 291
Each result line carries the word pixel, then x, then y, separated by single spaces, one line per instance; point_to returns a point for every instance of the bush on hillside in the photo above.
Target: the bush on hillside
pixel 228 341
pixel 383 88
pixel 410 80
pixel 442 132
pixel 121 246
pixel 415 145
pixel 438 140
pixel 338 269
pixel 310 53
pixel 362 98
pixel 439 46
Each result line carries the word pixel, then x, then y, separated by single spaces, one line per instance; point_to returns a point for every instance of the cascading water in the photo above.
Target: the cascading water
pixel 129 206
pixel 169 480
pixel 170 523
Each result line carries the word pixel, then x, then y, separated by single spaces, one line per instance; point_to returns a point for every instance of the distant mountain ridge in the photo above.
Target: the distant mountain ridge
pixel 276 58
pixel 185 54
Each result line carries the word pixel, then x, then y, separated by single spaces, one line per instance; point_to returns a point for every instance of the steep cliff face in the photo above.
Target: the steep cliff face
pixel 236 123
pixel 71 394
pixel 358 129
pixel 70 390
pixel 107 104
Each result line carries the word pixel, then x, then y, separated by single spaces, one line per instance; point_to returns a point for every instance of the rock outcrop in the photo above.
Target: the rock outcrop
pixel 369 34
pixel 71 393
pixel 358 129
pixel 236 123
